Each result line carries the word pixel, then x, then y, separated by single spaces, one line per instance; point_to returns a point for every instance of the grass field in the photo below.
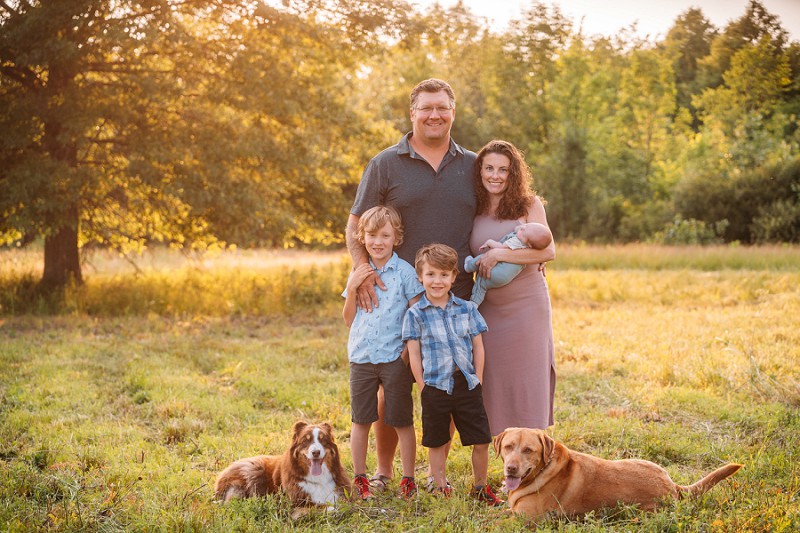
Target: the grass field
pixel 117 411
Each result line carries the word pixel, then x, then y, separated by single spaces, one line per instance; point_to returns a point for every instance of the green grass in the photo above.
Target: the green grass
pixel 117 414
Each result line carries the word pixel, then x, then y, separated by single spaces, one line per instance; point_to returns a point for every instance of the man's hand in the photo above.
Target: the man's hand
pixel 366 297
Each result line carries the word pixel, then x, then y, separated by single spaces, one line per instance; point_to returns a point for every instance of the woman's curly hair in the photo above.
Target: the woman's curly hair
pixel 518 194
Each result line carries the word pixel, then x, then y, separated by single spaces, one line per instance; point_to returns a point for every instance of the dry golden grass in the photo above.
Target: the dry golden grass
pixel 117 415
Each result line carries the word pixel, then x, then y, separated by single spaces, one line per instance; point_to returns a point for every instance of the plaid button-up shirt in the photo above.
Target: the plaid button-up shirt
pixel 445 338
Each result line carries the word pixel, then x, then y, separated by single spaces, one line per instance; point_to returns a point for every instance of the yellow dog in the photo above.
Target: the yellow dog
pixel 544 476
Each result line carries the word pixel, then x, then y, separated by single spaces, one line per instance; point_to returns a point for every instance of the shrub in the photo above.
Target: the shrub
pixel 691 231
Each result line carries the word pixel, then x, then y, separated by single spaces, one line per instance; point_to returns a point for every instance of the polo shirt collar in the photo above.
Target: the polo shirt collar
pixel 391 264
pixel 404 146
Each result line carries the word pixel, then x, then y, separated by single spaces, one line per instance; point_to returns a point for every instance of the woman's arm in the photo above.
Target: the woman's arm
pixel 522 256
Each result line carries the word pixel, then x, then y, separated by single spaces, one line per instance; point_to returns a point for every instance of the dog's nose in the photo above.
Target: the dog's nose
pixel 511 470
pixel 315 454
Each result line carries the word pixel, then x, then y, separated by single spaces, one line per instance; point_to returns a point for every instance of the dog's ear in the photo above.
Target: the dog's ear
pixel 547 445
pixel 498 442
pixel 328 429
pixel 298 426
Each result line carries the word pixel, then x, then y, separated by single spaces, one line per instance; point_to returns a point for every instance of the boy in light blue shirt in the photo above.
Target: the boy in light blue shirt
pixel 375 347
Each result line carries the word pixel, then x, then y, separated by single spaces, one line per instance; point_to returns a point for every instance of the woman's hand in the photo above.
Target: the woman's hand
pixel 487 262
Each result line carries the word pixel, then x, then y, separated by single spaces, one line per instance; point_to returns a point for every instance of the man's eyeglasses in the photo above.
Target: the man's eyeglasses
pixel 427 110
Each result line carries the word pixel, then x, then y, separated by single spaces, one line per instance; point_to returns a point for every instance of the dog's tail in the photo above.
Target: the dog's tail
pixel 709 481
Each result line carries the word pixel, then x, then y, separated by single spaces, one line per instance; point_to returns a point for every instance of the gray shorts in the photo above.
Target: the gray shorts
pixel 396 379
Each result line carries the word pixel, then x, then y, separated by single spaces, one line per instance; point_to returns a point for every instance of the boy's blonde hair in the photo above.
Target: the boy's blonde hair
pixel 437 255
pixel 375 218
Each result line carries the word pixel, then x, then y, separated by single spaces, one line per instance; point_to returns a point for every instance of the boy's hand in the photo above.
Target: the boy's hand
pixel 366 297
pixel 404 356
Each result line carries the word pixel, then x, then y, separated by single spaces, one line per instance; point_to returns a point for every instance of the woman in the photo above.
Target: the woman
pixel 519 378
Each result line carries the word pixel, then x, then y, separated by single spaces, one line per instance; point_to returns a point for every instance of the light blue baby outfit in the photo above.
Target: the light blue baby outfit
pixel 502 272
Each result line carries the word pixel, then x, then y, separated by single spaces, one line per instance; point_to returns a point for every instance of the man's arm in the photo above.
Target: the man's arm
pixel 357 277
pixel 366 297
pixel 357 251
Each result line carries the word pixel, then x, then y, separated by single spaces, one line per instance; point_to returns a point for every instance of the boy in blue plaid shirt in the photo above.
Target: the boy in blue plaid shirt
pixel 443 335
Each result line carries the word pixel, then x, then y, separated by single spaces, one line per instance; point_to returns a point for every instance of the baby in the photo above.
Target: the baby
pixel 530 235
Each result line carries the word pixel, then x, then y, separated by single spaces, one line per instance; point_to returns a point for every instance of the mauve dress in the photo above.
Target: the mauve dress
pixel 519 377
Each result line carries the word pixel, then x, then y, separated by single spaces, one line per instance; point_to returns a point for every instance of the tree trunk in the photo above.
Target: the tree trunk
pixel 62 263
pixel 61 258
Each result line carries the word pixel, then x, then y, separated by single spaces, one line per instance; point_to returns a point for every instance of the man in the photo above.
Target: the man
pixel 428 178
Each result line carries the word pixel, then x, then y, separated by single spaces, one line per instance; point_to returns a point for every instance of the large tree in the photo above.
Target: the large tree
pixel 183 121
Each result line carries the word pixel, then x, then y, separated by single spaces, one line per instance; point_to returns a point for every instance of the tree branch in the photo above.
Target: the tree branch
pixel 8 8
pixel 20 75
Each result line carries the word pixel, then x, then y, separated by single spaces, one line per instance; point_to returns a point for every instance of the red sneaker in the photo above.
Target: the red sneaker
pixel 445 491
pixel 485 494
pixel 408 487
pixel 361 486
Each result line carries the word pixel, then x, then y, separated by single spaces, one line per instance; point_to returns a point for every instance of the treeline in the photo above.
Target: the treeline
pixel 203 123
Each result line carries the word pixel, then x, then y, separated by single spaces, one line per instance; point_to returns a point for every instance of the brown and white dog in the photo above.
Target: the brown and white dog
pixel 310 471
pixel 544 476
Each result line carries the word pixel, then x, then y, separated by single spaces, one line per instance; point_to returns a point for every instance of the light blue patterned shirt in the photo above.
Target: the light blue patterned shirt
pixel 445 338
pixel 375 337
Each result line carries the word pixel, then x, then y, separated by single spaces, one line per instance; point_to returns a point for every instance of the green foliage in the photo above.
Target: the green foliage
pixel 188 124
pixel 758 204
pixel 205 124
pixel 691 231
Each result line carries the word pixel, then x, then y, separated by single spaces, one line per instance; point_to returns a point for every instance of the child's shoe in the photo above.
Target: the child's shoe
pixel 445 491
pixel 430 484
pixel 484 493
pixel 361 486
pixel 408 487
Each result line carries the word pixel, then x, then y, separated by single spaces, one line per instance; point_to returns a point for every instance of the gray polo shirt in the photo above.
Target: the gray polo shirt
pixel 436 206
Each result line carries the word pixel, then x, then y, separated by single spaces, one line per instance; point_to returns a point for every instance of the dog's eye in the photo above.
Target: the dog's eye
pixel 527 451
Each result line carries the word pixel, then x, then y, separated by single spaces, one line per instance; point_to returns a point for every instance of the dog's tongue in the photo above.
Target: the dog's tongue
pixel 512 483
pixel 316 467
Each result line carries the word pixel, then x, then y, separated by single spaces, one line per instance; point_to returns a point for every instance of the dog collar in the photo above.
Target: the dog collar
pixel 546 464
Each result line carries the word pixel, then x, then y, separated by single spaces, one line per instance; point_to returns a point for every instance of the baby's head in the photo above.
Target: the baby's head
pixel 535 235
pixel 374 219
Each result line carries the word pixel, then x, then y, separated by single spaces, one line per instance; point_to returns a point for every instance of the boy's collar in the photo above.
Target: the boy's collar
pixel 451 300
pixel 391 263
